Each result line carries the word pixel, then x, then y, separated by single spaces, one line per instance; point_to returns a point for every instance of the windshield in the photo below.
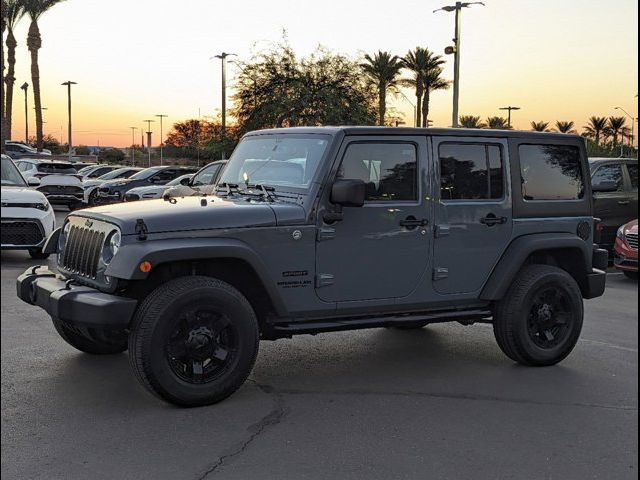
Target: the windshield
pixel 84 170
pixel 119 173
pixel 10 175
pixel 146 173
pixel 279 161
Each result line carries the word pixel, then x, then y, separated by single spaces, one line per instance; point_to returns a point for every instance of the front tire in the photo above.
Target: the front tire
pixel 98 344
pixel 539 320
pixel 194 341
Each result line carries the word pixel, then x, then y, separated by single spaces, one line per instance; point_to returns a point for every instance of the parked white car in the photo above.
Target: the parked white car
pixel 19 150
pixel 59 181
pixel 91 185
pixel 27 216
pixel 155 191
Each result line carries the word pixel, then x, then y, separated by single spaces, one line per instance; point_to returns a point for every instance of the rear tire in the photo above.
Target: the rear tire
pixel 194 341
pixel 539 320
pixel 110 345
pixel 631 275
pixel 37 254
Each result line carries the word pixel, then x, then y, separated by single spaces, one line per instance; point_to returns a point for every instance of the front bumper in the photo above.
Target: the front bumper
pixel 103 198
pixel 596 284
pixel 77 305
pixel 625 257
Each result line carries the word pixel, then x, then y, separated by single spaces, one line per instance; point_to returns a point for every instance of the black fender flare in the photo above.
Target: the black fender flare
pixel 126 264
pixel 520 249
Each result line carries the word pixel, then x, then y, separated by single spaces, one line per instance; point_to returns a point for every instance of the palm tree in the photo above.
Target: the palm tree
pixel 12 14
pixel 432 81
pixel 540 126
pixel 35 9
pixel 596 128
pixel 471 121
pixel 616 127
pixel 3 130
pixel 498 123
pixel 416 62
pixel 565 127
pixel 383 70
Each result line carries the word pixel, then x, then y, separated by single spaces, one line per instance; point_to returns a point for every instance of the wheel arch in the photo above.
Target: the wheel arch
pixel 562 250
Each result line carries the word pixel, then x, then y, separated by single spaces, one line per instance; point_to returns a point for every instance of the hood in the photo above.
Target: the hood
pixel 631 227
pixel 22 195
pixel 184 215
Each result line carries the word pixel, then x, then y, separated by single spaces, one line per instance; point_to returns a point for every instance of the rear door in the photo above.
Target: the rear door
pixel 474 212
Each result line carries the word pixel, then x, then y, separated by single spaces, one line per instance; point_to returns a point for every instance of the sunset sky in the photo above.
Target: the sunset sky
pixel 557 59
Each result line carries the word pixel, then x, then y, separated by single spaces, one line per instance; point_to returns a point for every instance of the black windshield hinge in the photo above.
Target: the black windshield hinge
pixel 141 229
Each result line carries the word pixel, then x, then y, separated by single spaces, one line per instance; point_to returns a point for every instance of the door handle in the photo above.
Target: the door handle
pixel 491 220
pixel 412 222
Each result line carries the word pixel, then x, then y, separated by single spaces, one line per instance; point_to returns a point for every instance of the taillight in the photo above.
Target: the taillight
pixel 597 230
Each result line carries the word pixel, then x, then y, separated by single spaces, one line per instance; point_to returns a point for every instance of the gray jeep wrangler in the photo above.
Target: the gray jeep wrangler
pixel 324 229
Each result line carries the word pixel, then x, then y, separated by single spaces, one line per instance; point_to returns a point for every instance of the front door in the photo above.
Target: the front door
pixel 474 214
pixel 380 250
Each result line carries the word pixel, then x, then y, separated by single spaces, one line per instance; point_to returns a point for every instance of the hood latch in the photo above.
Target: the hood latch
pixel 141 229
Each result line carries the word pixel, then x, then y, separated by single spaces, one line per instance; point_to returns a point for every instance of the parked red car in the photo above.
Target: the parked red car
pixel 626 249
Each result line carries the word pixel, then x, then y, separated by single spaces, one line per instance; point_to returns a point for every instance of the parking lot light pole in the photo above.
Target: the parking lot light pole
pixel 149 138
pixel 223 60
pixel 633 122
pixel 24 88
pixel 161 116
pixel 509 108
pixel 455 50
pixel 415 109
pixel 68 84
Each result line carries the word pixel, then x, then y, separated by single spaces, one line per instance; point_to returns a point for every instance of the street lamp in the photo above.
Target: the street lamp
pixel 149 122
pixel 633 122
pixel 455 50
pixel 133 142
pixel 223 59
pixel 24 88
pixel 68 84
pixel 415 109
pixel 161 116
pixel 509 108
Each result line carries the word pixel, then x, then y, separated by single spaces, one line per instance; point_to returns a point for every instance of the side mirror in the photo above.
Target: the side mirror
pixel 185 181
pixel 33 182
pixel 608 186
pixel 348 193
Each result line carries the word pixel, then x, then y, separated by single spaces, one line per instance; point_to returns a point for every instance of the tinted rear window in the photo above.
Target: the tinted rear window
pixel 551 172
pixel 57 168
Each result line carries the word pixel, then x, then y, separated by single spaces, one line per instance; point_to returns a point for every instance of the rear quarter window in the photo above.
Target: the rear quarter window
pixel 551 172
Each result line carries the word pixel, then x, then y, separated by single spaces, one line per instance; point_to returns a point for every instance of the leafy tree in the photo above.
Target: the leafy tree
pixel 276 89
pixel 11 14
pixel 565 127
pixel 202 139
pixel 540 126
pixel 432 81
pixel 596 129
pixel 616 127
pixel 383 71
pixel 498 123
pixel 82 150
pixel 35 9
pixel 112 155
pixel 50 143
pixel 471 121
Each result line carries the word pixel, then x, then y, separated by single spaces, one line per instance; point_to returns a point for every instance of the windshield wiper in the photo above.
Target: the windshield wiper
pixel 228 187
pixel 264 191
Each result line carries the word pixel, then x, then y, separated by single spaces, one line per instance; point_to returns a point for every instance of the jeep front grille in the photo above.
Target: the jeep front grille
pixel 82 251
pixel 632 240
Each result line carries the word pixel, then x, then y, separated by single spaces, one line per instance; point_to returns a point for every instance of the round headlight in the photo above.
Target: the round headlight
pixel 111 246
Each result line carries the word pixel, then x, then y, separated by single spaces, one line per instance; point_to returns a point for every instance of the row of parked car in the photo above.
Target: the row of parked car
pixel 31 185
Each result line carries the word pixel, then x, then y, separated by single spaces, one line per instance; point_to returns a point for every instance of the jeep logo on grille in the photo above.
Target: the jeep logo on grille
pixel 88 223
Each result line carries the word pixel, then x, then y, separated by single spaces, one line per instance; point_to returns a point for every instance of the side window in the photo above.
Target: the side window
pixel 551 172
pixel 633 173
pixel 388 169
pixel 165 175
pixel 206 176
pixel 609 173
pixel 471 171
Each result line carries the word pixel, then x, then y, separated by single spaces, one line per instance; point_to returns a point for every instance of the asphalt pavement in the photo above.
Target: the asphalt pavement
pixel 438 403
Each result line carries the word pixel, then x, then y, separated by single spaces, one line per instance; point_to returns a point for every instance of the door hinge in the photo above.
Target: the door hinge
pixel 440 273
pixel 324 280
pixel 326 233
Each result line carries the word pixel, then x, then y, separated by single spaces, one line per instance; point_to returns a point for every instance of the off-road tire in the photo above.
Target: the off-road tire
pixel 511 316
pixel 631 275
pixel 151 330
pixel 37 254
pixel 116 344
